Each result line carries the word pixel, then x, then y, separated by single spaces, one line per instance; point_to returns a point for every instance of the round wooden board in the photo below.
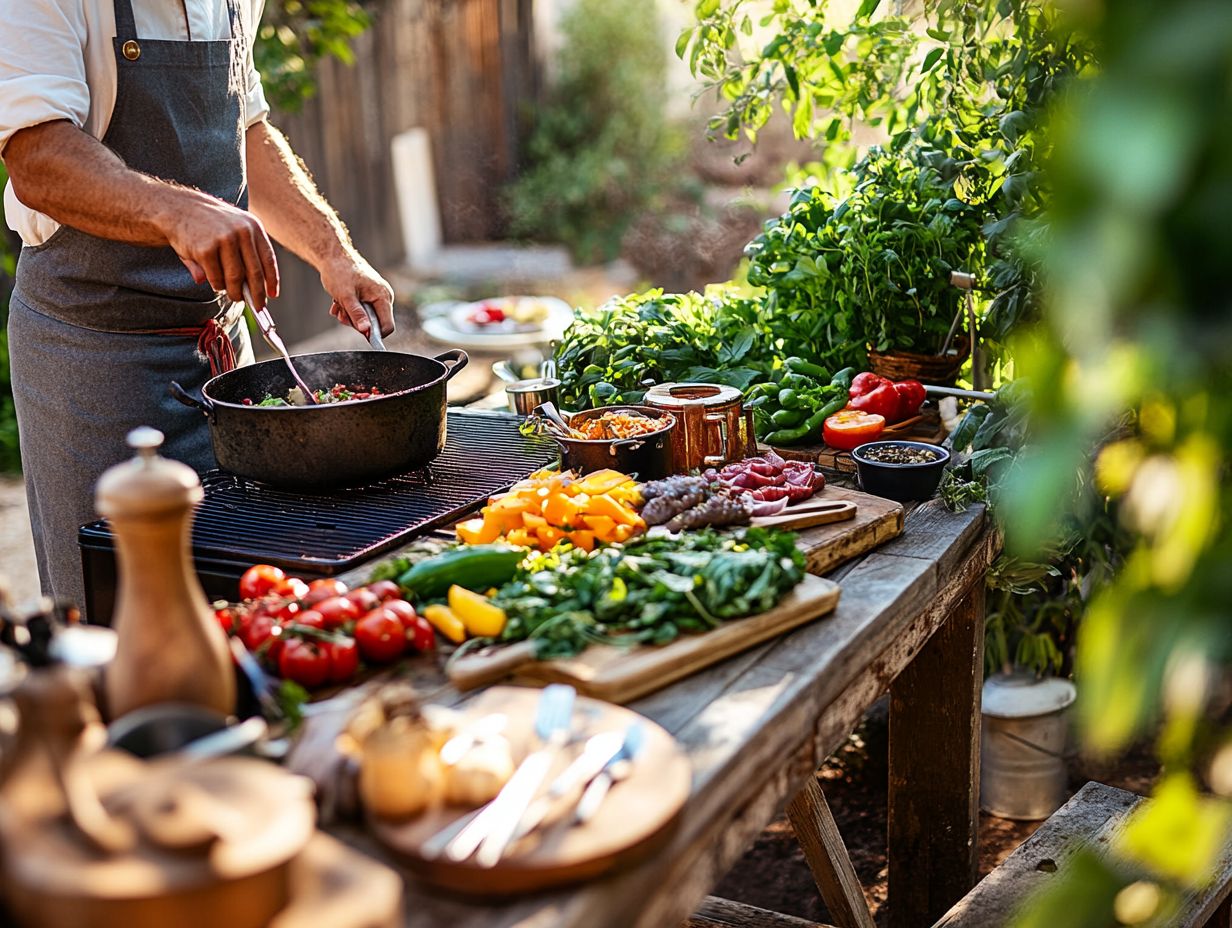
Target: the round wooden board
pixel 637 813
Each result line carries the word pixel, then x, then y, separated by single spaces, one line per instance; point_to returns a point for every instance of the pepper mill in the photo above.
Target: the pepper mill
pixel 169 647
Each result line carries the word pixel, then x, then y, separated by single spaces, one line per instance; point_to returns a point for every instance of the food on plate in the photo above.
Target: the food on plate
pixel 789 410
pixel 398 747
pixel 507 314
pixel 479 774
pixel 315 641
pixel 850 428
pixel 880 396
pixel 900 454
pixel 614 425
pixel 550 507
pixel 768 479
pixel 651 590
pixel 335 394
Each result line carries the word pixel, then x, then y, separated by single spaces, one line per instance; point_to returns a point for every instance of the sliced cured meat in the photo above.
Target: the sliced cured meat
pixel 771 493
pixel 768 507
pixel 796 493
pixel 750 480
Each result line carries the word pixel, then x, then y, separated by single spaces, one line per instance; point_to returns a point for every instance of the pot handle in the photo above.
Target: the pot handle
pixel 624 444
pixel 189 400
pixel 454 360
pixel 839 455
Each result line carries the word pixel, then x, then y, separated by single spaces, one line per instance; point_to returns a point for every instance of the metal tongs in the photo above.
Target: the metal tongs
pixel 265 322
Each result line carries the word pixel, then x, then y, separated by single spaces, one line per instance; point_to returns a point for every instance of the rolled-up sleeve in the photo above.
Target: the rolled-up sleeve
pixel 255 106
pixel 42 66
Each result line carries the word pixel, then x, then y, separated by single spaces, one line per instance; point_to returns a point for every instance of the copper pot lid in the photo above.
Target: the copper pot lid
pixel 680 395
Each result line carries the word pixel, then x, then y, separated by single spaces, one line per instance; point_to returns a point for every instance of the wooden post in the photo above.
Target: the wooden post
pixel 827 857
pixel 935 769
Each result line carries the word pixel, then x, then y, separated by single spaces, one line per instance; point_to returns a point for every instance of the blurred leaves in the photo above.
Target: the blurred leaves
pixel 294 35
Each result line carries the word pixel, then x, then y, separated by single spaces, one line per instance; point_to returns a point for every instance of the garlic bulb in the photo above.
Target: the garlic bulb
pixel 400 774
pixel 480 773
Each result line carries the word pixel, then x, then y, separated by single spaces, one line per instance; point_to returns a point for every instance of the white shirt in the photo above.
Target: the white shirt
pixel 57 61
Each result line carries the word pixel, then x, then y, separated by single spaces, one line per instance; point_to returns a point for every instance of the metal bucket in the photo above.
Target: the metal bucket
pixel 1024 745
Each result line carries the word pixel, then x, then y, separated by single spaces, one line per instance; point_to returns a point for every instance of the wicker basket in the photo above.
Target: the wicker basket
pixel 941 370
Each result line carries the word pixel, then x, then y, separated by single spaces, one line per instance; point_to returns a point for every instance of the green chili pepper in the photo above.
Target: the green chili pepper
pixel 808 368
pixel 757 402
pixel 787 418
pixel 789 398
pixel 828 410
pixel 844 378
pixel 762 389
pixel 787 436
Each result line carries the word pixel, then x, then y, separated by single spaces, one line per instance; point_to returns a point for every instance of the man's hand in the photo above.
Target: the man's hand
pixel 222 244
pixel 351 280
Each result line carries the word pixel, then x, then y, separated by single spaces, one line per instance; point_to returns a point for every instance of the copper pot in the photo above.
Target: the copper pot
pixel 712 426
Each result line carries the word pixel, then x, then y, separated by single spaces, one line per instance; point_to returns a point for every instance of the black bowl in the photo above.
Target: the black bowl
pixel 901 482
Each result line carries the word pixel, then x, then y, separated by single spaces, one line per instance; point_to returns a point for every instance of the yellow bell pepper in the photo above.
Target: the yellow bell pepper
pixel 445 621
pixel 480 618
pixel 478 531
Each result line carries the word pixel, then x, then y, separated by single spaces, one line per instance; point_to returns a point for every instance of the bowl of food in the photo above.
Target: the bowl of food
pixel 900 470
pixel 631 439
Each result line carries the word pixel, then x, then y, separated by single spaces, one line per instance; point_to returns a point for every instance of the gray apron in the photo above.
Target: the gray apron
pixel 97 328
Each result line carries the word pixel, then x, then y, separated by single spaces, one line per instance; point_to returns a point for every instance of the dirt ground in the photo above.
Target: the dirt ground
pixel 773 875
pixel 17 565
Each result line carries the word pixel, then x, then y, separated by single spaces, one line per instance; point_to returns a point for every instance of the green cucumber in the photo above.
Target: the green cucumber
pixel 476 567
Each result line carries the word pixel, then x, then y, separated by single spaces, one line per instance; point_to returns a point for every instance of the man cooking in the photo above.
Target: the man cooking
pixel 145 182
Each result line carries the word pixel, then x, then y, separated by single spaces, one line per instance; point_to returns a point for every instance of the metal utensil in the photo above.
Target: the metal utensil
pixel 265 322
pixel 552 414
pixel 525 396
pixel 613 772
pixel 488 834
pixel 599 751
pixel 374 328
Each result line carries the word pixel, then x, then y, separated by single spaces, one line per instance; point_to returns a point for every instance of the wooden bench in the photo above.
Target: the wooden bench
pixel 1092 816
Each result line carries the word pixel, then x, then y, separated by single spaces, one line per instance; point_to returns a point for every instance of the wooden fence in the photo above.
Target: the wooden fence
pixel 461 69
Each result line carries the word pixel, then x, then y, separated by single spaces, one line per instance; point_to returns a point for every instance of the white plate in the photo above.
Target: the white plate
pixel 452 327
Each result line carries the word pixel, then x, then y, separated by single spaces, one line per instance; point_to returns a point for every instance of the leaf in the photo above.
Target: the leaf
pixel 931 59
pixel 682 43
pixel 867 8
pixel 707 8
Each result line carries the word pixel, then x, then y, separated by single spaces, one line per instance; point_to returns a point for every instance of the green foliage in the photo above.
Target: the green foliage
pixel 973 78
pixel 609 354
pixel 10 452
pixel 294 35
pixel 601 150
pixel 872 268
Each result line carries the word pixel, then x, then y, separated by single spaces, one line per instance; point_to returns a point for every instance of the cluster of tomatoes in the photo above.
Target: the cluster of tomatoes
pixel 317 633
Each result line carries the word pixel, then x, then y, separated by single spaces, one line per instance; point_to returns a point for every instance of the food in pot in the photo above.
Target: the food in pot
pixel 616 425
pixel 900 454
pixel 338 393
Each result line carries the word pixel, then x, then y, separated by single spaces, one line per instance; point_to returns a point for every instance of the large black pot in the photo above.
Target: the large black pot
pixel 333 444
pixel 648 457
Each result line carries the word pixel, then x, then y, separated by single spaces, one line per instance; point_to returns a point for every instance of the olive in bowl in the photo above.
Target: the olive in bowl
pixel 900 470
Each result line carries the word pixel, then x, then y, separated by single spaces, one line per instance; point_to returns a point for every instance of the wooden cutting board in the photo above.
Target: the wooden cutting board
pixel 620 676
pixel 876 521
pixel 637 813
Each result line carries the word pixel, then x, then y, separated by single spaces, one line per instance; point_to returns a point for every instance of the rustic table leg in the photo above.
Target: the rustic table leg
pixel 827 857
pixel 935 769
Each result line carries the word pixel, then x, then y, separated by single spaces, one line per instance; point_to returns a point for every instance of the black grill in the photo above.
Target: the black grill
pixel 241 523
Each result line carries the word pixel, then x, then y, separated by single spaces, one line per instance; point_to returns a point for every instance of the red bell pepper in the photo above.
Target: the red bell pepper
pixel 865 383
pixel 881 401
pixel 910 398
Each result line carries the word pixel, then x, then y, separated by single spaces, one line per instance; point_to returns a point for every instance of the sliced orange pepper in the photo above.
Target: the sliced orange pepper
pixel 602 526
pixel 602 481
pixel 478 531
pixel 523 538
pixel 561 510
pixel 623 533
pixel 548 537
pixel 533 521
pixel 604 505
pixel 583 539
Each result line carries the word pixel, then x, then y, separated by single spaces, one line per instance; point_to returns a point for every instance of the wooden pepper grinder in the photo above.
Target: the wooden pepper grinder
pixel 170 648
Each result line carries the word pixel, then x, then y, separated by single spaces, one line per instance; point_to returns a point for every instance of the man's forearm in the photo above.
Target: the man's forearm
pixel 63 172
pixel 283 195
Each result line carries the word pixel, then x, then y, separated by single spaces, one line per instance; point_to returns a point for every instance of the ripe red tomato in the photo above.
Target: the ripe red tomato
pixel 321 590
pixel 286 611
pixel 384 590
pixel 263 637
pixel 847 429
pixel 343 659
pixel 339 610
pixel 292 588
pixel 403 610
pixel 420 635
pixel 380 636
pixel 259 580
pixel 310 618
pixel 364 598
pixel 225 618
pixel 304 662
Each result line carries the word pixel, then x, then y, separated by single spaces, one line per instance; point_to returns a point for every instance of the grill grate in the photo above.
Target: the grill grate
pixel 242 522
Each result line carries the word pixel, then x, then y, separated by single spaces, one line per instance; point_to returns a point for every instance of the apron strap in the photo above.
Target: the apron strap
pixel 126 24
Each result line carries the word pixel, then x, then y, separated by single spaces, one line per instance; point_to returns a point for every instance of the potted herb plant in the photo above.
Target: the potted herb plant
pixel 868 274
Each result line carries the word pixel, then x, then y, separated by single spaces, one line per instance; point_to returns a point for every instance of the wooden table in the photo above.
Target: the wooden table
pixel 757 726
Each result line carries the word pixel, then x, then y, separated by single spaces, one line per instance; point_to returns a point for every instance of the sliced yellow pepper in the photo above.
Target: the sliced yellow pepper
pixel 445 621
pixel 480 617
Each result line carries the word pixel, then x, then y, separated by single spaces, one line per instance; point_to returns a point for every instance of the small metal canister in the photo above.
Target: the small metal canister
pixel 712 426
pixel 525 395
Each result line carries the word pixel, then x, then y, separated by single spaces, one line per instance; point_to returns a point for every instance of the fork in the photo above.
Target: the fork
pixel 490 831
